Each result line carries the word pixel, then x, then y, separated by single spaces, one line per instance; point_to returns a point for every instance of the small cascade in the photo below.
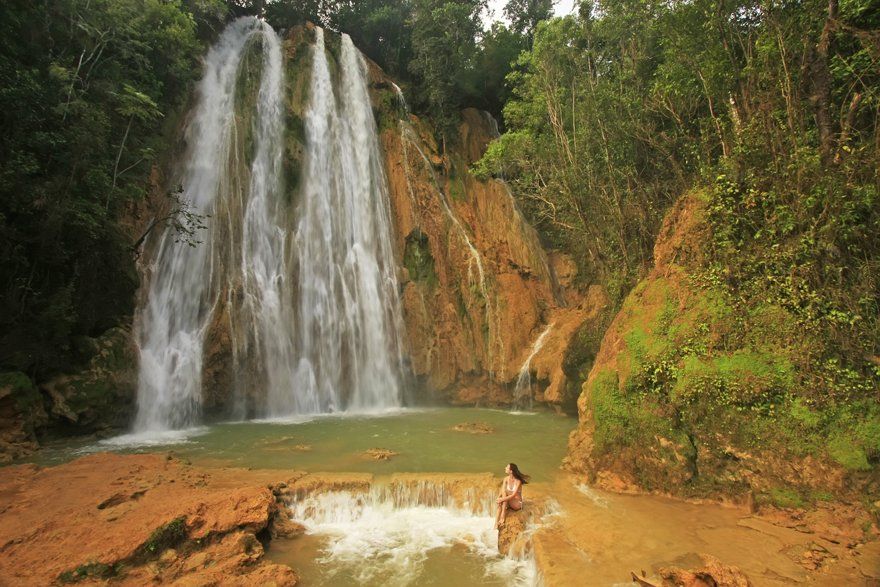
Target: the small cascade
pixel 523 387
pixel 492 315
pixel 385 534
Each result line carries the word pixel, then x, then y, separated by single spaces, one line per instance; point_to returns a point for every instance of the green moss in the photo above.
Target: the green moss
pixel 22 390
pixel 165 536
pixel 385 110
pixel 621 419
pixel 784 497
pixel 848 453
pixel 92 570
pixel 247 92
pixel 418 260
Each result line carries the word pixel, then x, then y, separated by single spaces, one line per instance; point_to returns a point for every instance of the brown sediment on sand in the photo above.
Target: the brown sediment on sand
pixel 139 519
pixel 378 454
pixel 474 428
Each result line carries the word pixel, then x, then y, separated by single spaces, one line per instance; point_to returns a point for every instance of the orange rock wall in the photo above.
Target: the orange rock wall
pixel 468 336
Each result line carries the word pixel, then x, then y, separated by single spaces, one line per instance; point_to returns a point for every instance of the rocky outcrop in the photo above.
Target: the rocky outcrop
pixel 713 573
pixel 97 397
pixel 136 520
pixel 511 534
pixel 101 396
pixel 478 288
pixel 21 412
pixel 694 393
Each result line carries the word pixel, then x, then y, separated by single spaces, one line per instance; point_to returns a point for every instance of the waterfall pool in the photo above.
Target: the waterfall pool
pixel 426 440
pixel 371 538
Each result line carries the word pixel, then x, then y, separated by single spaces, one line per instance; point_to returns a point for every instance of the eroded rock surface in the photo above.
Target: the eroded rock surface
pixel 136 519
pixel 712 573
pixel 511 534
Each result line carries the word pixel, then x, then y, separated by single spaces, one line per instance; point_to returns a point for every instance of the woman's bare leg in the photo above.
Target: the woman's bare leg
pixel 503 513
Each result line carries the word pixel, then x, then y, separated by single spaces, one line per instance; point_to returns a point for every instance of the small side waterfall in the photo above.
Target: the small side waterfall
pixel 523 387
pixel 475 260
pixel 304 296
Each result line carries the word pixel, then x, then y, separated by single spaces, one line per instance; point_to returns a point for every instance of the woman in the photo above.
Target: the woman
pixel 510 495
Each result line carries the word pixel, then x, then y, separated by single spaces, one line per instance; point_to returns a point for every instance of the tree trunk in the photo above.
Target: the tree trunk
pixel 820 75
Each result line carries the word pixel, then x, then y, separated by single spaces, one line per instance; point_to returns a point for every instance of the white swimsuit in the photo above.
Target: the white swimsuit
pixel 509 488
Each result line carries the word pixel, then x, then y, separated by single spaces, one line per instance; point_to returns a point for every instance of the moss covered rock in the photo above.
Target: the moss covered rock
pixel 101 395
pixel 696 392
pixel 21 412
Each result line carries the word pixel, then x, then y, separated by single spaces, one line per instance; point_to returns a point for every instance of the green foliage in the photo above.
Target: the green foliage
pixel 380 29
pixel 524 15
pixel 444 45
pixel 83 94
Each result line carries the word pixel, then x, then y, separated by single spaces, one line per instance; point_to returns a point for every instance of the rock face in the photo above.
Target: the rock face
pixel 713 573
pixel 690 393
pixel 100 396
pixel 477 287
pixel 21 412
pixel 136 520
pixel 476 283
pixel 511 539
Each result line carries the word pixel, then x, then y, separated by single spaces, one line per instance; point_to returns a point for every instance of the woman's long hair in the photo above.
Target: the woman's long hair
pixel 519 475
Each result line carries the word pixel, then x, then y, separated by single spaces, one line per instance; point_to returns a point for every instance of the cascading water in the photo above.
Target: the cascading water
pixel 184 280
pixel 388 534
pixel 523 387
pixel 492 315
pixel 349 323
pixel 310 306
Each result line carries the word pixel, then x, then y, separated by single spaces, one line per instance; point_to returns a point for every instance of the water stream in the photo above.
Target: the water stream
pixel 523 388
pixel 402 534
pixel 475 260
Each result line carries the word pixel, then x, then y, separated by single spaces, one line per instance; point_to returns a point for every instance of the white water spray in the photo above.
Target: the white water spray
pixel 185 281
pixel 385 535
pixel 349 321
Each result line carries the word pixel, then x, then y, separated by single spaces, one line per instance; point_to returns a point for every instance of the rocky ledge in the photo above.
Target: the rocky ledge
pixel 137 519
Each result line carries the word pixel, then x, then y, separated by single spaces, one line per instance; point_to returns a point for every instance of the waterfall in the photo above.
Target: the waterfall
pixel 349 323
pixel 385 534
pixel 305 296
pixel 524 381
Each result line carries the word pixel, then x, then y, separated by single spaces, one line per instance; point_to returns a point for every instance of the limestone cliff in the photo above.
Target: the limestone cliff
pixel 478 288
pixel 695 393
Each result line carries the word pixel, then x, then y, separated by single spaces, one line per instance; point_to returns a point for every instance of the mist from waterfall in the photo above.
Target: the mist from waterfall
pixel 305 293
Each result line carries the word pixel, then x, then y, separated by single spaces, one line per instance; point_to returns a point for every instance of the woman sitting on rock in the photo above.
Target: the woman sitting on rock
pixel 510 495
